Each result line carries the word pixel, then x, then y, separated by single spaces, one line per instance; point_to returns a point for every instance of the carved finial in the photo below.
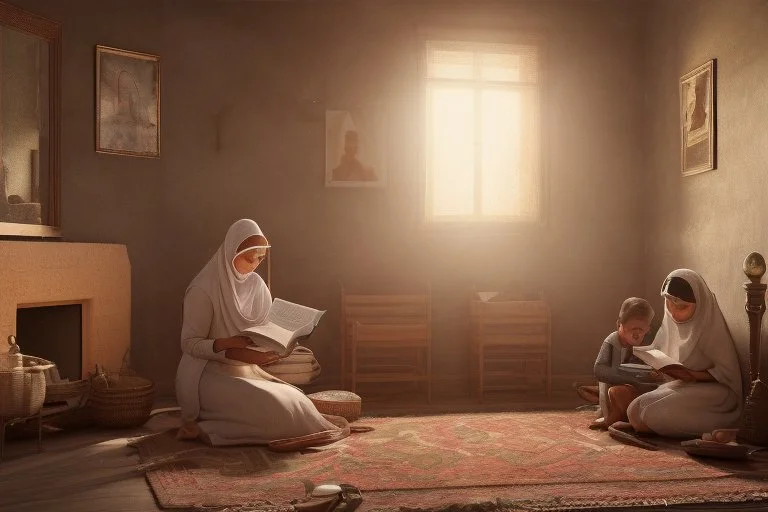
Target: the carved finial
pixel 754 266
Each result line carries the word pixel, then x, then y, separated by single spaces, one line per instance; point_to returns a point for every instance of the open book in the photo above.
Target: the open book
pixel 656 359
pixel 287 324
pixel 637 370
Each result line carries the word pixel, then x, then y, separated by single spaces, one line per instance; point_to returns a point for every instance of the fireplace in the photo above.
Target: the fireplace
pixel 53 332
pixel 96 278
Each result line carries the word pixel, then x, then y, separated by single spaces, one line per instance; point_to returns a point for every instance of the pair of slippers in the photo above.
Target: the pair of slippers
pixel 331 498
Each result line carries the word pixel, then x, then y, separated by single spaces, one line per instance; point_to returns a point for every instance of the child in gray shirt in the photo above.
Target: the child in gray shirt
pixel 619 386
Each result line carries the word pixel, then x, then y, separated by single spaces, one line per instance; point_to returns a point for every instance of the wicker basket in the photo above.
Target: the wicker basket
pixel 121 401
pixel 63 391
pixel 22 388
pixel 338 403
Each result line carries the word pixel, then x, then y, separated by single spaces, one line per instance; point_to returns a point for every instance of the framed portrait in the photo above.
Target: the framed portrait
pixel 127 102
pixel 355 147
pixel 697 120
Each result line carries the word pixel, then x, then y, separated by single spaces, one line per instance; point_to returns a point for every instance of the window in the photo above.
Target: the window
pixel 482 151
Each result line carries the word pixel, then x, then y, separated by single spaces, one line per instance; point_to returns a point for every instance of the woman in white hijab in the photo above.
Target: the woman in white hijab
pixel 706 394
pixel 225 397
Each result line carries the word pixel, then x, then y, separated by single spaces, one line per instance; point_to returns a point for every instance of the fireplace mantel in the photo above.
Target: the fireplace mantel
pixel 98 276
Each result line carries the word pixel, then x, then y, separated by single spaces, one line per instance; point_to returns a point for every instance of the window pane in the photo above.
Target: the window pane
pixel 500 67
pixel 450 150
pixel 450 63
pixel 501 152
pixel 510 63
pixel 530 155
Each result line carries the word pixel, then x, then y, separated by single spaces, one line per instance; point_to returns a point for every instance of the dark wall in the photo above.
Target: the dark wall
pixel 234 143
pixel 708 222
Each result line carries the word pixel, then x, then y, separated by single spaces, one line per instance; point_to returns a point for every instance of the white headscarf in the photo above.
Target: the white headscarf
pixel 704 334
pixel 237 303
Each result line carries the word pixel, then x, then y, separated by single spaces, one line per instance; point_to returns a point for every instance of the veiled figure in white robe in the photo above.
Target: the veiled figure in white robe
pixel 702 343
pixel 233 402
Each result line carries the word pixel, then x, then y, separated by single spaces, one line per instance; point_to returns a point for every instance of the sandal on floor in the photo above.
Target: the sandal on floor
pixel 345 500
pixel 629 436
pixel 715 449
pixel 319 504
pixel 351 498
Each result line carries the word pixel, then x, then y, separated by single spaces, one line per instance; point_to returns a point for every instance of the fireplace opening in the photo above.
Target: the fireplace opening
pixel 53 333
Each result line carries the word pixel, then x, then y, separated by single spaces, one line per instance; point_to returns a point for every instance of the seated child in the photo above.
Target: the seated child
pixel 618 386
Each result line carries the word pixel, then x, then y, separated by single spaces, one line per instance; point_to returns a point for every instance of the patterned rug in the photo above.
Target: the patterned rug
pixel 493 461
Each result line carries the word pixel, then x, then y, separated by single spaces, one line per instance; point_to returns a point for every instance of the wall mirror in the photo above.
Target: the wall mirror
pixel 30 57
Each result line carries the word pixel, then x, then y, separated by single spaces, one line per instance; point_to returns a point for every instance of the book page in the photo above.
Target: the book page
pixel 655 358
pixel 635 367
pixel 269 335
pixel 636 370
pixel 292 316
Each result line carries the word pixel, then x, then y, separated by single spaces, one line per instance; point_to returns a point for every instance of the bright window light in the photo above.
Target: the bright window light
pixel 482 131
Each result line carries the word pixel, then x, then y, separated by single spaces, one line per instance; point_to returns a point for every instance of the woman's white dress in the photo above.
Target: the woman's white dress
pixel 234 402
pixel 703 343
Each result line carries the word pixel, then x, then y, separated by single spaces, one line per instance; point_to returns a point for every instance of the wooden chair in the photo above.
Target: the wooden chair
pixel 406 314
pixel 510 346
pixel 391 353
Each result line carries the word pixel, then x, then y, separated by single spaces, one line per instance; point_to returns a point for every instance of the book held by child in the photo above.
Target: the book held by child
pixel 655 358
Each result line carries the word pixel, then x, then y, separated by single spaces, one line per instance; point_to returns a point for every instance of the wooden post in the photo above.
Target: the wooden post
pixel 754 419
pixel 754 268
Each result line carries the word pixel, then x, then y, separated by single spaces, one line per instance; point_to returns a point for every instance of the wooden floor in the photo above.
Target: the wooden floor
pixel 92 470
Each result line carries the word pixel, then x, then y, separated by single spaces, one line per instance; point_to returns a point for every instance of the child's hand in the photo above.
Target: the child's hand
pixel 654 376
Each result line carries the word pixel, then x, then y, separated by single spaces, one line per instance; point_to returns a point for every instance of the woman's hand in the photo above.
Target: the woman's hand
pixel 220 344
pixel 702 376
pixel 679 373
pixel 245 355
pixel 686 375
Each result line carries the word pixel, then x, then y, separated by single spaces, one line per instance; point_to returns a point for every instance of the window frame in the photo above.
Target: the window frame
pixel 480 38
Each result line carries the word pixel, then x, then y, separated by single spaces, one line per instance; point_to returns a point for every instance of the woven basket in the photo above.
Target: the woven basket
pixel 63 391
pixel 346 404
pixel 22 388
pixel 121 401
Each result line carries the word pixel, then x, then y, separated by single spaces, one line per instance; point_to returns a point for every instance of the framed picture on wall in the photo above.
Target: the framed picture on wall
pixel 127 102
pixel 355 147
pixel 697 120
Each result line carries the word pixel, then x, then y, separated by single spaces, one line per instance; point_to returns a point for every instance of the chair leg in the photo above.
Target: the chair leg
pixel 429 376
pixel 480 375
pixel 353 361
pixel 40 430
pixel 3 424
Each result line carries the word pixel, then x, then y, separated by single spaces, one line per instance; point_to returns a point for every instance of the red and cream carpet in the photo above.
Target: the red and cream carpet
pixel 495 461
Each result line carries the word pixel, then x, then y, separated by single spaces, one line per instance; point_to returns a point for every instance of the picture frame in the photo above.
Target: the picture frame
pixel 356 147
pixel 127 102
pixel 698 124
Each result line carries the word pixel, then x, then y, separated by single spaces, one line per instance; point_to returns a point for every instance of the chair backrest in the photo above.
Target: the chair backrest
pixel 405 309
pixel 390 335
pixel 518 311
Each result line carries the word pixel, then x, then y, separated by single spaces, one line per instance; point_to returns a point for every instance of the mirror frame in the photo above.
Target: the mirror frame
pixel 50 31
